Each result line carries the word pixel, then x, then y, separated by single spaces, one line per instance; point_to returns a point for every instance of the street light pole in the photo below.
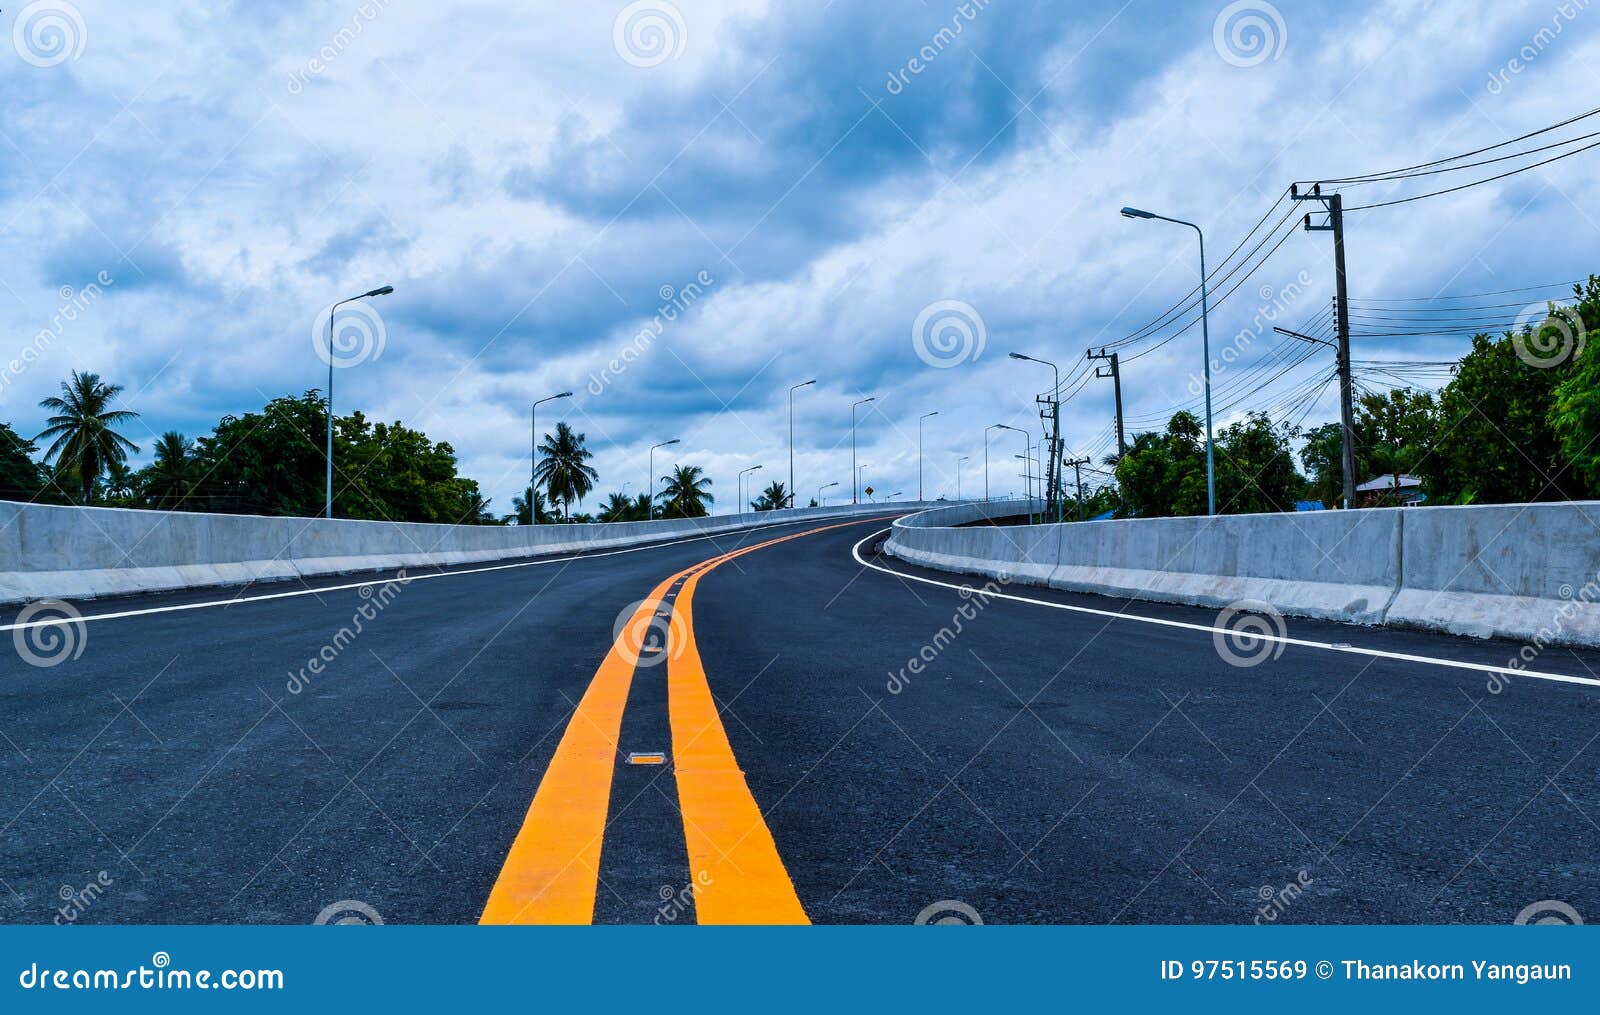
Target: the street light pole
pixel 854 485
pixel 919 449
pixel 327 509
pixel 1027 449
pixel 963 458
pixel 825 486
pixel 1205 338
pixel 791 436
pixel 533 471
pixel 650 489
pixel 1052 483
pixel 739 481
pixel 992 426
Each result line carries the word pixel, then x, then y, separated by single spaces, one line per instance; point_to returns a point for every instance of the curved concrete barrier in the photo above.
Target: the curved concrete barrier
pixel 1526 571
pixel 80 553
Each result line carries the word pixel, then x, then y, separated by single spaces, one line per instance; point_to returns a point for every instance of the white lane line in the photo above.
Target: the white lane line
pixel 1213 630
pixel 236 600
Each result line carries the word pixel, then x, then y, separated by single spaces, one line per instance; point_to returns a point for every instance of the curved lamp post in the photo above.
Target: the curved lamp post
pixel 1205 338
pixel 327 511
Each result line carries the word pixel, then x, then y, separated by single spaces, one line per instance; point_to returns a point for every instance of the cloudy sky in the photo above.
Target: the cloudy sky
pixel 680 210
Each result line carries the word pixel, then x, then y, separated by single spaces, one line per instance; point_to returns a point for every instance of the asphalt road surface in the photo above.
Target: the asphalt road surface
pixel 463 749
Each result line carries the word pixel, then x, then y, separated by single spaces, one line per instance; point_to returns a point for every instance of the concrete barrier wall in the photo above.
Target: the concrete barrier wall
pixel 75 553
pixel 1529 572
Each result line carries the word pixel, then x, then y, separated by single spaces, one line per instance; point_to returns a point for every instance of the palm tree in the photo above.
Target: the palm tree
pixel 84 428
pixel 776 495
pixel 561 467
pixel 120 481
pixel 684 493
pixel 617 508
pixel 519 508
pixel 170 479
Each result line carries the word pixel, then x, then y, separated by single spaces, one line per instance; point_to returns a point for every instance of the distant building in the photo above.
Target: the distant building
pixel 1382 488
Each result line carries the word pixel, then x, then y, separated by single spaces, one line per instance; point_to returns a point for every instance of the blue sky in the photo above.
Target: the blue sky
pixel 539 180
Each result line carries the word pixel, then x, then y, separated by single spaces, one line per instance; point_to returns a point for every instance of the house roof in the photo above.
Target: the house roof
pixel 1386 482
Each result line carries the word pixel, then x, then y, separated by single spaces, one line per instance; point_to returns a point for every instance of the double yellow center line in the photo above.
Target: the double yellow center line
pixel 552 871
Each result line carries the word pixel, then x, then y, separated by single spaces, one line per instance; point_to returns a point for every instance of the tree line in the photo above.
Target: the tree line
pixel 273 462
pixel 1519 421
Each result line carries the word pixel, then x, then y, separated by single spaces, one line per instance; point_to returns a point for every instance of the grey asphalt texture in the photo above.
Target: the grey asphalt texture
pixel 1045 766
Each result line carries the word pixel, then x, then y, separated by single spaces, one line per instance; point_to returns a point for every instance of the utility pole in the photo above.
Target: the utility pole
pixel 1077 470
pixel 1333 204
pixel 1114 371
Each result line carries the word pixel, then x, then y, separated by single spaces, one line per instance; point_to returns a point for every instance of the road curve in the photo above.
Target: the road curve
pixel 841 738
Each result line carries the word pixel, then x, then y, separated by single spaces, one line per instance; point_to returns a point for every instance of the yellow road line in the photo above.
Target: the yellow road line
pixel 552 870
pixel 731 849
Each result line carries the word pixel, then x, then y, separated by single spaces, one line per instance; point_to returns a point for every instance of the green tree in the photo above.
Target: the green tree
pixel 273 463
pixel 168 481
pixel 562 469
pixel 775 496
pixel 84 428
pixel 1495 442
pixel 1323 456
pixel 20 476
pixel 619 507
pixel 519 508
pixel 684 492
pixel 1255 467
pixel 1165 474
pixel 1575 411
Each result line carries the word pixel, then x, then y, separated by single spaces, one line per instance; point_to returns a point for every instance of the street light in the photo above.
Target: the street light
pixel 739 481
pixel 1055 398
pixel 327 511
pixel 919 449
pixel 963 458
pixel 1205 338
pixel 533 472
pixel 892 496
pixel 853 484
pixel 1027 448
pixel 651 494
pixel 859 470
pixel 821 502
pixel 791 436
pixel 992 426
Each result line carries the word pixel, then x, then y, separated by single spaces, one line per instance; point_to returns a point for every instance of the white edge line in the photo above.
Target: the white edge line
pixel 407 580
pixel 1213 630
